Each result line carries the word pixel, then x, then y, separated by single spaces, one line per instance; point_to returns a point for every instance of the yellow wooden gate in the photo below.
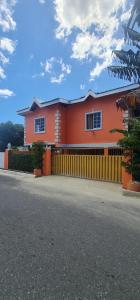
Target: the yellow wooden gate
pixel 97 167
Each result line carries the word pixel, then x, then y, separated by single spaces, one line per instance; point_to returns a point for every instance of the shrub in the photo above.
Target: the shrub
pixel 21 162
pixel 38 149
pixel 131 145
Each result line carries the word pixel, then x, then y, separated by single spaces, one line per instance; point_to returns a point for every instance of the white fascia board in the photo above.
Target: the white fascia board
pixel 28 109
pixel 41 105
pixel 51 102
pixel 22 111
pixel 100 95
pixel 120 90
pixel 82 99
pixel 35 102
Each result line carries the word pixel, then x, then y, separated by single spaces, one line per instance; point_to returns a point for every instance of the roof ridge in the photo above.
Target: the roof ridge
pixel 81 99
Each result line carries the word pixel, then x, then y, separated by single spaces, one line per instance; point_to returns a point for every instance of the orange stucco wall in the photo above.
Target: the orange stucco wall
pixel 75 121
pixel 49 135
pixel 72 122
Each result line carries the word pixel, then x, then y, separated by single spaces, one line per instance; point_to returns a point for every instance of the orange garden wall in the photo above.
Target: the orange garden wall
pixel 46 160
pixel 47 164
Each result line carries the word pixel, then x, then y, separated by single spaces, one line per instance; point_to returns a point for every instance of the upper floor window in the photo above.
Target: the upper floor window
pixel 94 120
pixel 39 125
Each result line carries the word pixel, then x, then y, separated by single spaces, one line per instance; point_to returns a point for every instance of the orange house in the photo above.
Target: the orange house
pixel 76 126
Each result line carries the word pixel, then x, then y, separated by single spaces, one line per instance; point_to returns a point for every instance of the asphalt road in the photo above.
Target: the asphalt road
pixel 58 244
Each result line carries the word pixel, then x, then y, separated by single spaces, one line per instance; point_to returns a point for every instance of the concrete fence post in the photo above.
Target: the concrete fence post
pixel 126 177
pixel 47 162
pixel 106 151
pixel 6 159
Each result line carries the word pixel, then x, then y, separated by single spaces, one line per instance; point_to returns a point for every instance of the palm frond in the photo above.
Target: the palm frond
pixel 126 72
pixel 130 58
pixel 124 132
pixel 132 35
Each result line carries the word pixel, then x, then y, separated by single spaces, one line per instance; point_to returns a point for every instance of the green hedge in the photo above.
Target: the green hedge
pixel 21 162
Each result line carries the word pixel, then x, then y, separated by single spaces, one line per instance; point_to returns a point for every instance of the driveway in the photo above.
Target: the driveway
pixel 67 239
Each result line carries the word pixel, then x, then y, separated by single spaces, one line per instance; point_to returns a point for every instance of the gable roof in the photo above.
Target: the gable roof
pixel 36 102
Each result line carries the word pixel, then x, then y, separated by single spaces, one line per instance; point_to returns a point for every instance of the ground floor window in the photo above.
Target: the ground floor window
pixel 115 151
pixel 83 151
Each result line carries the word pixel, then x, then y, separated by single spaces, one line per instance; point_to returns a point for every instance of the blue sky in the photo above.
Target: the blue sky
pixel 57 48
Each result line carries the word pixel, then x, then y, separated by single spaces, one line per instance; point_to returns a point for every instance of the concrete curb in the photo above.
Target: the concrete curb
pixel 16 173
pixel 130 193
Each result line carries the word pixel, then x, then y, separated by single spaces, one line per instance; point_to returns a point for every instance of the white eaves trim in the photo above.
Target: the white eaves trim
pixel 82 99
pixel 41 105
pixel 55 101
pixel 107 93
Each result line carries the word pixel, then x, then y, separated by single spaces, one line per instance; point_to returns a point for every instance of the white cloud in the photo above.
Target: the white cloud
pixel 82 14
pixel 7 45
pixel 82 86
pixel 31 57
pixel 42 74
pixel 57 79
pixel 7 22
pixel 42 1
pixel 96 24
pixel 2 73
pixel 56 69
pixel 89 45
pixel 48 65
pixel 5 93
pixel 66 69
pixel 126 15
pixel 106 59
pixel 3 59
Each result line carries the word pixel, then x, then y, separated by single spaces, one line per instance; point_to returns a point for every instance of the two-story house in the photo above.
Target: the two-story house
pixel 79 125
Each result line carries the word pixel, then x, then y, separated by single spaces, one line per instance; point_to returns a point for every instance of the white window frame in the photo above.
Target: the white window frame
pixel 92 113
pixel 41 117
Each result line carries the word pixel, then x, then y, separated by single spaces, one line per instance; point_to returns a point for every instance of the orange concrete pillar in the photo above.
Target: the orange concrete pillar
pixel 6 157
pixel 126 178
pixel 106 151
pixel 47 162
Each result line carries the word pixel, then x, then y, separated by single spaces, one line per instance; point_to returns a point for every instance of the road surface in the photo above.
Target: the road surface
pixel 67 239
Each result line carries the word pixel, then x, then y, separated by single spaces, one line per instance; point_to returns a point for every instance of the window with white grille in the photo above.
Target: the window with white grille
pixel 39 125
pixel 93 120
